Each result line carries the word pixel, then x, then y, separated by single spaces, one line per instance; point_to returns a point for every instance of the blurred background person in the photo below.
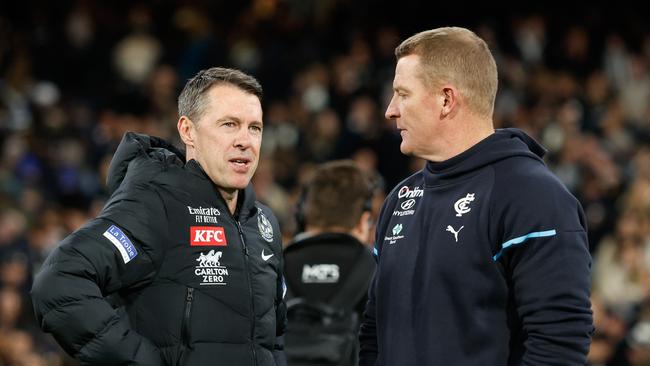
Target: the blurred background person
pixel 329 264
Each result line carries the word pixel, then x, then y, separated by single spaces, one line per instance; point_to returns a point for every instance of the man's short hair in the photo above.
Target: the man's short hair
pixel 457 56
pixel 192 102
pixel 336 196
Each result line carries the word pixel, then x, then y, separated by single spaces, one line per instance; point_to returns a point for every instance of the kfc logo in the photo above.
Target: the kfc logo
pixel 207 236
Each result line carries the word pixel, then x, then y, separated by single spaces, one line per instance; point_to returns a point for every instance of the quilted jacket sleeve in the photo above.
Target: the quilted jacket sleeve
pixel 116 252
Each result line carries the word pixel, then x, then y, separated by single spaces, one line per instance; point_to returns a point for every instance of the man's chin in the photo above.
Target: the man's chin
pixel 241 182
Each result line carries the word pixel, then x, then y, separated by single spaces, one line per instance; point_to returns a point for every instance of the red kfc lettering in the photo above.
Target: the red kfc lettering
pixel 207 236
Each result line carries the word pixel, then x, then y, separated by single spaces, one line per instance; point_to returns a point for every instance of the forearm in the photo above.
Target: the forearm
pixel 553 291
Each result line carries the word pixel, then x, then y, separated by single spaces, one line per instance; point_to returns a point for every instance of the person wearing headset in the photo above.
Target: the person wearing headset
pixel 329 264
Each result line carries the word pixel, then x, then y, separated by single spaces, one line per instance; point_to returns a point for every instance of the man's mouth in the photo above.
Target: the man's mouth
pixel 240 161
pixel 240 164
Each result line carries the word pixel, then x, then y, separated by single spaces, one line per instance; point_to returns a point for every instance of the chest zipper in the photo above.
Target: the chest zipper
pixel 250 290
pixel 185 325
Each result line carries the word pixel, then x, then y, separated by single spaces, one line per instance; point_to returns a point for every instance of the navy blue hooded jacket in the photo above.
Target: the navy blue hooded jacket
pixel 482 260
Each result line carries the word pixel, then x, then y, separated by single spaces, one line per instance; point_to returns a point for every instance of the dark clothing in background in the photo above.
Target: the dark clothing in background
pixel 317 266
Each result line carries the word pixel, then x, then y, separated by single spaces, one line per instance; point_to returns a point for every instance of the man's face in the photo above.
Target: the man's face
pixel 414 108
pixel 228 136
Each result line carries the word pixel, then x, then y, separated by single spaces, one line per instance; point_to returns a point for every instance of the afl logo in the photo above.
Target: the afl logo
pixel 408 204
pixel 462 205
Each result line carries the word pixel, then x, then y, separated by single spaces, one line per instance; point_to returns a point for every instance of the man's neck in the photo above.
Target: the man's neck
pixel 231 199
pixel 461 137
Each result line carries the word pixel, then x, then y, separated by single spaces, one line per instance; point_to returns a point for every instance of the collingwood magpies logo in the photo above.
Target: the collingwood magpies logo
pixel 264 226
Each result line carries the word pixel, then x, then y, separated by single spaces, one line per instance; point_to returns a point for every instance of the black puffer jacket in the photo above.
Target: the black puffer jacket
pixel 166 275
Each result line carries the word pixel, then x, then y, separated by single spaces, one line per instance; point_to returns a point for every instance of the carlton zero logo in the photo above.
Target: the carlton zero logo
pixel 207 236
pixel 210 270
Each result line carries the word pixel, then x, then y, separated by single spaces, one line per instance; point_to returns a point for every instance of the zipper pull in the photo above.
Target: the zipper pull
pixel 190 294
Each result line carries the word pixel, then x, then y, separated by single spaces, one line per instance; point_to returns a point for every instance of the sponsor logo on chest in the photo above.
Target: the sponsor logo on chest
pixel 395 237
pixel 210 270
pixel 206 236
pixel 411 195
pixel 204 215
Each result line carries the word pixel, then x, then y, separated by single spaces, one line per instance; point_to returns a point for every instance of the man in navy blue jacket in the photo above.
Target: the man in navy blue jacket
pixel 482 255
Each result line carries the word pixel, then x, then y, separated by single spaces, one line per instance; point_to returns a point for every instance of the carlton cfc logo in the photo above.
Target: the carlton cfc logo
pixel 462 205
pixel 206 236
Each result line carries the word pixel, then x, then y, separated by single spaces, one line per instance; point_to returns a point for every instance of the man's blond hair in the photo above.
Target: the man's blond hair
pixel 457 56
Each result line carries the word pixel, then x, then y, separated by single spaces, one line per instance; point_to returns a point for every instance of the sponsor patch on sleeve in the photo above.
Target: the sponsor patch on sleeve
pixel 121 242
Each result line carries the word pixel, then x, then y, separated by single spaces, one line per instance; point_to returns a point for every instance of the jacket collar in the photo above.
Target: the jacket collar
pixel 503 144
pixel 246 204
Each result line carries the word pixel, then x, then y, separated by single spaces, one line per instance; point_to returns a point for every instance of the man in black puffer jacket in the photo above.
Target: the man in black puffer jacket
pixel 182 266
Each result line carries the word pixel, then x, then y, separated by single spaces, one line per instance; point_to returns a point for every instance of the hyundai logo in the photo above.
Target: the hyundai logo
pixel 408 204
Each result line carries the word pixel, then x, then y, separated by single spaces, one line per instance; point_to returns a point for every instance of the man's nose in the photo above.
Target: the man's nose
pixel 392 111
pixel 243 138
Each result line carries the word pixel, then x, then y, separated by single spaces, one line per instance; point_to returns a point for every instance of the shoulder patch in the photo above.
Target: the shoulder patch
pixel 121 242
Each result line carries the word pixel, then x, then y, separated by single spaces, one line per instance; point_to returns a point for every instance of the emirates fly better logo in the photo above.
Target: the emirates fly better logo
pixel 207 236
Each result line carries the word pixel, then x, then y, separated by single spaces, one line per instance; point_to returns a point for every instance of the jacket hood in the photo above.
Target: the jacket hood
pixel 134 145
pixel 503 144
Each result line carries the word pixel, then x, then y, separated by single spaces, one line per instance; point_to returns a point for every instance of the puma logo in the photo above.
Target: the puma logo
pixel 451 230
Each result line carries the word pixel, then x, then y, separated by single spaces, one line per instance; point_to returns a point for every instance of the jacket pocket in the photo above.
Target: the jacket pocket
pixel 186 326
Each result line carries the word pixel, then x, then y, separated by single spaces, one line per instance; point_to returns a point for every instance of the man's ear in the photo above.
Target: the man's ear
pixel 186 130
pixel 449 99
pixel 364 227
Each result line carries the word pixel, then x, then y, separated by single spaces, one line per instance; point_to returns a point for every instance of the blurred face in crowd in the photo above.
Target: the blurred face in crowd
pixel 227 137
pixel 414 108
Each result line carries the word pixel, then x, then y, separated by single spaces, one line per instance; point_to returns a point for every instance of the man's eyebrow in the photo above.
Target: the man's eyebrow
pixel 237 119
pixel 229 118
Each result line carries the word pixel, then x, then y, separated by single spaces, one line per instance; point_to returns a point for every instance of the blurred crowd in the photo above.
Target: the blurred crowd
pixel 75 75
